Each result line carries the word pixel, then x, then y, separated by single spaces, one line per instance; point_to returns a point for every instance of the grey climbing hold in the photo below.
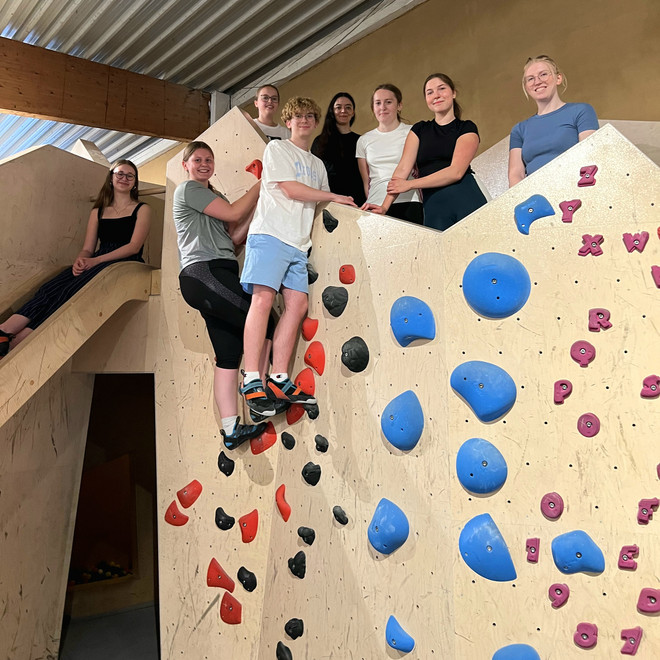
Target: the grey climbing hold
pixel 283 652
pixel 355 354
pixel 312 275
pixel 340 515
pixel 298 564
pixel 321 443
pixel 294 628
pixel 335 299
pixel 247 578
pixel 223 520
pixel 329 221
pixel 312 410
pixel 225 464
pixel 288 440
pixel 307 534
pixel 311 473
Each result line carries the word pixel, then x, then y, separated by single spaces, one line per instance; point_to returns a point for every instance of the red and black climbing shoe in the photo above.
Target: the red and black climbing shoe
pixel 5 338
pixel 287 391
pixel 256 398
pixel 241 433
pixel 280 407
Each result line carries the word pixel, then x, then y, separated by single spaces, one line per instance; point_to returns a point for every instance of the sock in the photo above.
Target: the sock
pixel 229 423
pixel 280 377
pixel 250 376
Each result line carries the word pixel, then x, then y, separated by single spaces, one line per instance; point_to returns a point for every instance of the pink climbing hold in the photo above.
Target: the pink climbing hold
pixel 591 245
pixel 588 425
pixel 558 594
pixel 626 557
pixel 645 509
pixel 563 389
pixel 532 546
pixel 586 635
pixel 552 505
pixel 599 318
pixel 649 600
pixel 568 209
pixel 632 637
pixel 583 352
pixel 587 174
pixel 655 273
pixel 635 241
pixel 651 387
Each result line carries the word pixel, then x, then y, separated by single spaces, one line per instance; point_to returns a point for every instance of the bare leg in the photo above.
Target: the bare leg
pixel 256 324
pixel 286 333
pixel 265 359
pixel 225 383
pixel 14 324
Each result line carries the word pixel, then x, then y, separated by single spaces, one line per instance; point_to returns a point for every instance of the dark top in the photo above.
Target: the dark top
pixel 115 232
pixel 339 159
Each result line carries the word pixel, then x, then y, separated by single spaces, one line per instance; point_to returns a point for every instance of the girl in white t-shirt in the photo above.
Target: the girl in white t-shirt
pixel 378 152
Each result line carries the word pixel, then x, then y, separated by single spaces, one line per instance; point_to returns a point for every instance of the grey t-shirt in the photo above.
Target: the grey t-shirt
pixel 199 236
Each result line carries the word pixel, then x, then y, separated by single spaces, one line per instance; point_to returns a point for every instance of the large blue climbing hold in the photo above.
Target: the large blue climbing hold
pixel 480 466
pixel 389 527
pixel 485 387
pixel 411 318
pixel 483 549
pixel 531 209
pixel 517 652
pixel 576 552
pixel 402 421
pixel 397 637
pixel 496 285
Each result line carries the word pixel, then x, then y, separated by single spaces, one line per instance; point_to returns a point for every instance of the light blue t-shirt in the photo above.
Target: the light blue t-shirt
pixel 544 137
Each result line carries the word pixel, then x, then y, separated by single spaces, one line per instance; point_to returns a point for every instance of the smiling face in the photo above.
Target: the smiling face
pixel 123 178
pixel 200 166
pixel 385 107
pixel 343 110
pixel 439 96
pixel 302 124
pixel 541 81
pixel 267 102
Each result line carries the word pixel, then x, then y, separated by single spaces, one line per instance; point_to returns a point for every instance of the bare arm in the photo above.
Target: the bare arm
pixel 89 245
pixel 403 170
pixel 584 135
pixel 516 166
pixel 302 193
pixel 364 173
pixel 236 211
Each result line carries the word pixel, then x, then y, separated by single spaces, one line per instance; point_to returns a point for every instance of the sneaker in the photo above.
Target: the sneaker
pixel 241 433
pixel 256 398
pixel 5 338
pixel 280 407
pixel 287 391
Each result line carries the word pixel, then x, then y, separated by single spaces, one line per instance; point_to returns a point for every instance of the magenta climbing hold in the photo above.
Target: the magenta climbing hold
pixel 563 389
pixel 588 425
pixel 558 594
pixel 645 509
pixel 599 318
pixel 636 241
pixel 532 547
pixel 568 209
pixel 626 557
pixel 552 505
pixel 655 273
pixel 588 176
pixel 583 352
pixel 631 638
pixel 651 387
pixel 591 245
pixel 649 600
pixel 586 635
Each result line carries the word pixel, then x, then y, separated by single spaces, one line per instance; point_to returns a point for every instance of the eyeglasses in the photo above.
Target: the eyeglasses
pixel 272 99
pixel 124 175
pixel 542 77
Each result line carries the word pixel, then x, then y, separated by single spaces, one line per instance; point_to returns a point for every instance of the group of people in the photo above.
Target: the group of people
pixel 419 173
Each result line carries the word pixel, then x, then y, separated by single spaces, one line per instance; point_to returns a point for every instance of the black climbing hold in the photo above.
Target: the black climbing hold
pixel 283 652
pixel 321 443
pixel 340 515
pixel 225 464
pixel 311 473
pixel 247 578
pixel 312 275
pixel 355 354
pixel 298 564
pixel 335 299
pixel 312 410
pixel 329 221
pixel 288 440
pixel 307 534
pixel 223 520
pixel 294 628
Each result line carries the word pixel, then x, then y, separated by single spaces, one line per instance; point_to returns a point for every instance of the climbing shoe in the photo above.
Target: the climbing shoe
pixel 256 398
pixel 287 391
pixel 280 407
pixel 241 433
pixel 5 338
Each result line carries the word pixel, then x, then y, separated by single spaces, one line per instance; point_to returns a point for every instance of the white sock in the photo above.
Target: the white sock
pixel 280 378
pixel 229 423
pixel 250 376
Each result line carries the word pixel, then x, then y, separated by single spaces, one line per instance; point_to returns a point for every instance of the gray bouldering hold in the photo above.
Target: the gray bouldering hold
pixel 294 628
pixel 321 443
pixel 225 464
pixel 329 221
pixel 335 299
pixel 307 534
pixel 340 515
pixel 355 354
pixel 288 440
pixel 247 578
pixel 223 520
pixel 298 564
pixel 283 652
pixel 311 473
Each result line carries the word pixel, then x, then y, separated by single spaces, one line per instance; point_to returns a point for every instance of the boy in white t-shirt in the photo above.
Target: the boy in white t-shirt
pixel 293 181
pixel 267 101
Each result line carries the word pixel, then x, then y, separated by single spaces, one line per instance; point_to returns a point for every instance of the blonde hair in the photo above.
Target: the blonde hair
pixel 551 63
pixel 299 105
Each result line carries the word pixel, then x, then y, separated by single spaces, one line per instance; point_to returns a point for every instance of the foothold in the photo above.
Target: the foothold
pixel 599 318
pixel 321 443
pixel 486 388
pixel 347 274
pixel 532 549
pixel 335 299
pixel 645 509
pixel 315 357
pixel 552 505
pixel 294 628
pixel 591 245
pixel 484 550
pixel 223 520
pixel 649 600
pixel 282 504
pixel 307 534
pixel 558 594
pixel 174 517
pixel 294 413
pixel 586 635
pixel 568 209
pixel 249 524
pixel 583 353
pixel 340 515
pixel 402 421
pixel 480 466
pixel 563 389
pixel 636 241
pixel 309 328
pixel 530 210
pixel 312 410
pixel 516 652
pixel 188 494
pixel 230 609
pixel 389 527
pixel 305 381
pixel 312 274
pixel 410 319
pixel 397 638
pixel 255 167
pixel 651 387
pixel 588 425
pixel 298 564
pixel 247 578
pixel 496 285
pixel 283 652
pixel 576 552
pixel 355 354
pixel 626 557
pixel 288 440
pixel 655 273
pixel 216 576
pixel 631 638
pixel 588 176
pixel 225 464
pixel 311 473
pixel 329 221
pixel 266 440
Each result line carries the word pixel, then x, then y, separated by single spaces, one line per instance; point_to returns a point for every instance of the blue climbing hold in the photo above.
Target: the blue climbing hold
pixel 402 421
pixel 517 652
pixel 411 318
pixel 480 466
pixel 576 552
pixel 397 637
pixel 532 209
pixel 485 387
pixel 483 549
pixel 496 285
pixel 389 527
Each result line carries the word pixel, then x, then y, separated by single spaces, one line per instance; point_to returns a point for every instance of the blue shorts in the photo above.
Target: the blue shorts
pixel 272 263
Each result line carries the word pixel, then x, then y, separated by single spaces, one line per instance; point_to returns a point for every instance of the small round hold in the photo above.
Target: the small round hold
pixel 247 578
pixel 294 628
pixel 283 652
pixel 307 534
pixel 347 274
pixel 321 443
pixel 355 354
pixel 311 473
pixel 288 440
pixel 552 505
pixel 298 564
pixel 335 299
pixel 225 464
pixel 588 425
pixel 329 221
pixel 223 520
pixel 340 515
pixel 312 410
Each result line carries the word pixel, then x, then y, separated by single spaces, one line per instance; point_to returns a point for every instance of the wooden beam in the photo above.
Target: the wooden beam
pixel 36 82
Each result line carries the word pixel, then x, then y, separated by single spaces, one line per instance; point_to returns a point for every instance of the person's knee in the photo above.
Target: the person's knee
pixel 297 306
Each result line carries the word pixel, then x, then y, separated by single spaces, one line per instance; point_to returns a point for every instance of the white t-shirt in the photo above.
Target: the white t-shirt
pixel 276 215
pixel 383 151
pixel 274 132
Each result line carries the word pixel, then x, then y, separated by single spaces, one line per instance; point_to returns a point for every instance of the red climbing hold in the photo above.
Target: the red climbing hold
pixel 188 494
pixel 217 577
pixel 532 547
pixel 651 387
pixel 591 245
pixel 645 509
pixel 563 389
pixel 636 241
pixel 586 635
pixel 568 209
pixel 249 523
pixel 632 637
pixel 347 274
pixel 174 517
pixel 256 167
pixel 626 557
pixel 265 441
pixel 649 600
pixel 599 318
pixel 309 328
pixel 315 357
pixel 588 174
pixel 282 504
pixel 294 413
pixel 305 381
pixel 230 609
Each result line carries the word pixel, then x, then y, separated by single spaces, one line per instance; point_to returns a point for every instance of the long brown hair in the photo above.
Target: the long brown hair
pixel 107 194
pixel 192 147
pixel 458 111
pixel 397 95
